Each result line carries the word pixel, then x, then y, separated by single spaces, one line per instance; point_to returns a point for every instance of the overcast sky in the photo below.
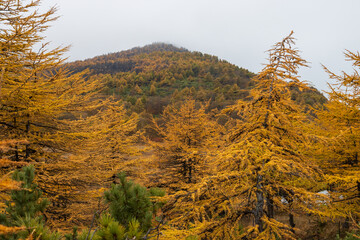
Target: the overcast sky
pixel 238 31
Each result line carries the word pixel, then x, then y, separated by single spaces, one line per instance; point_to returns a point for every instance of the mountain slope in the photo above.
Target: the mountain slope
pixel 150 77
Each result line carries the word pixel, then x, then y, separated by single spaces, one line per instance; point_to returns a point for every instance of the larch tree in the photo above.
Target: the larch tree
pixel 110 136
pixel 110 131
pixel 265 159
pixel 39 98
pixel 188 134
pixel 36 92
pixel 262 170
pixel 107 139
pixel 338 153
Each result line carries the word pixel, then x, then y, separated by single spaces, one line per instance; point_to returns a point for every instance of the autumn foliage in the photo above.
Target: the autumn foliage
pixel 189 135
pixel 239 155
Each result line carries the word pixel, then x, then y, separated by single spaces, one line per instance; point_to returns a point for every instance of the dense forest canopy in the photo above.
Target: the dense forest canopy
pixel 158 142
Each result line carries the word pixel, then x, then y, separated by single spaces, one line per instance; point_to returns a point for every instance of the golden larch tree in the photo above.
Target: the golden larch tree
pixel 188 133
pixel 39 98
pixel 107 139
pixel 265 159
pixel 338 151
pixel 262 170
pixel 37 94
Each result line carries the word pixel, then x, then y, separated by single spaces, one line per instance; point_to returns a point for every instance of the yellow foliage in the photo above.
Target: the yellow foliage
pixel 40 102
pixel 188 134
pixel 262 164
pixel 337 150
pixel 7 184
pixel 9 230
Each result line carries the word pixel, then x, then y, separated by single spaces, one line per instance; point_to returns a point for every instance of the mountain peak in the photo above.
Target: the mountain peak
pixel 158 46
pixel 122 61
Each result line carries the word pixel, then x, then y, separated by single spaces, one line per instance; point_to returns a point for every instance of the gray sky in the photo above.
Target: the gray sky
pixel 238 31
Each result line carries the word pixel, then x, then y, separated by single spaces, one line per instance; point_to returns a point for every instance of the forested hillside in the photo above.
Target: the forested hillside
pixel 158 142
pixel 150 77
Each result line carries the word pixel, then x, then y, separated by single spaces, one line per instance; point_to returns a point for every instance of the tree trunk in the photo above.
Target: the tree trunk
pixel 291 221
pixel 291 216
pixel 184 169
pixel 2 78
pixel 17 158
pixel 259 208
pixel 270 206
pixel 190 174
pixel 346 224
pixel 27 148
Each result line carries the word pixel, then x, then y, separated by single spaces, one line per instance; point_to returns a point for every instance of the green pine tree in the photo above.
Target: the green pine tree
pixel 27 201
pixel 25 208
pixel 129 202
pixel 110 229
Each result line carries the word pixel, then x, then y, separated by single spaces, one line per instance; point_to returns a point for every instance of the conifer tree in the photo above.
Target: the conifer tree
pixel 266 149
pixel 188 134
pixel 39 99
pixel 110 229
pixel 338 152
pixel 109 133
pixel 262 169
pixel 28 201
pixel 106 144
pixel 7 184
pixel 25 209
pixel 129 202
pixel 36 91
pixel 152 90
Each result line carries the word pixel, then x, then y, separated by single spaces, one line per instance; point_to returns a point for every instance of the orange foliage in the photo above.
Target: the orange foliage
pixel 9 230
pixel 262 168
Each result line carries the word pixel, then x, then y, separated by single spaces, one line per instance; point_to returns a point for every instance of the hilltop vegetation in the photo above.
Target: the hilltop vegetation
pixel 158 74
pixel 151 77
